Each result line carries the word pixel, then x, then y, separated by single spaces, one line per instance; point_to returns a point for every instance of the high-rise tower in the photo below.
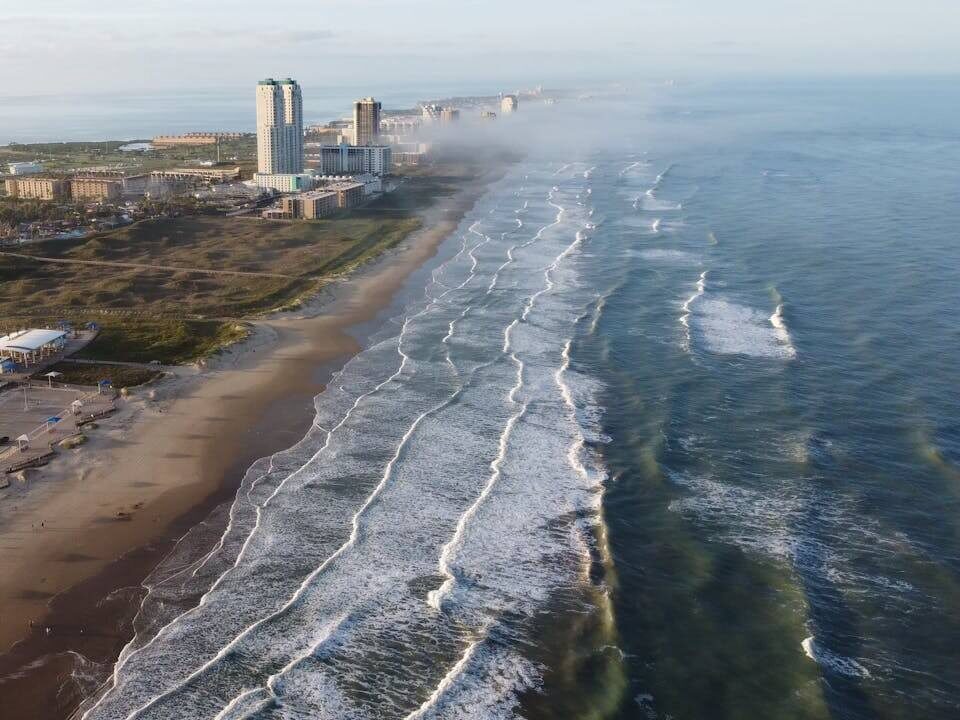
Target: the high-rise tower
pixel 366 122
pixel 279 127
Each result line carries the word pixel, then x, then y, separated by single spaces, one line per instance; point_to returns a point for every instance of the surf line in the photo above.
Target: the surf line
pixel 199 564
pixel 435 597
pixel 271 681
pixel 686 307
pixel 448 680
pixel 225 650
pixel 463 247
pixel 496 276
pixel 163 631
pixel 780 328
pixel 474 263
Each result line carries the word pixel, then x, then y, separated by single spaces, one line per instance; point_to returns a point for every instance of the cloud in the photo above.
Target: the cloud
pixel 25 34
pixel 255 37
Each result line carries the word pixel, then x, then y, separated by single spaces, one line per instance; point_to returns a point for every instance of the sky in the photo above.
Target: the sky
pixel 66 46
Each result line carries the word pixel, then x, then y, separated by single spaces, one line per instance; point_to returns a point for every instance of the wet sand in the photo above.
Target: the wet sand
pixel 70 587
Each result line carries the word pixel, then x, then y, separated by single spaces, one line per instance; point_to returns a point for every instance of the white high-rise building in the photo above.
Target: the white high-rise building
pixel 345 159
pixel 279 127
pixel 508 104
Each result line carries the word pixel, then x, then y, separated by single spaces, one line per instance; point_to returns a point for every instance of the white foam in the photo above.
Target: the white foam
pixel 685 309
pixel 730 328
pixel 328 545
pixel 831 661
pixel 668 255
pixel 781 331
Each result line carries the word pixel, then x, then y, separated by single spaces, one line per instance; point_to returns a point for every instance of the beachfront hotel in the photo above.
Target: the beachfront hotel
pixel 345 159
pixel 32 187
pixel 366 121
pixel 279 127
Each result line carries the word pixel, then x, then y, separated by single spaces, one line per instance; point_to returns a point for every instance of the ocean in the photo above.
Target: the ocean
pixel 667 429
pixel 129 113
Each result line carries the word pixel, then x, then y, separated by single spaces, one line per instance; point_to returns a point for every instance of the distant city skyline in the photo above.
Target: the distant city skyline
pixel 142 46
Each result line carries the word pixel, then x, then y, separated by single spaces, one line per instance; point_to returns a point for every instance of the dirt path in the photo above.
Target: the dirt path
pixel 143 266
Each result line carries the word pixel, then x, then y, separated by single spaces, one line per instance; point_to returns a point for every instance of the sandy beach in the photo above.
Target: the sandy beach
pixel 71 567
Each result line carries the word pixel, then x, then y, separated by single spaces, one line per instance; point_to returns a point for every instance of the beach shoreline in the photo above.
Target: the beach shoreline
pixel 77 547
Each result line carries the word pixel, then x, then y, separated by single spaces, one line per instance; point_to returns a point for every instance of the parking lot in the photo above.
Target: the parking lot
pixel 25 412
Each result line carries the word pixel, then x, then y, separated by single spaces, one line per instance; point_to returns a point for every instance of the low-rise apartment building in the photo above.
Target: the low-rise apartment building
pixel 33 187
pixel 349 193
pixel 284 182
pixel 196 138
pixel 214 173
pixel 310 205
pixel 95 188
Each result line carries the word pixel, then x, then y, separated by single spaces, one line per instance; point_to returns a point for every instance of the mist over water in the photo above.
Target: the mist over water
pixel 670 432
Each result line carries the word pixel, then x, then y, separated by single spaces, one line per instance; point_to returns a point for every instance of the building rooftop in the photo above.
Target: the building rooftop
pixel 29 340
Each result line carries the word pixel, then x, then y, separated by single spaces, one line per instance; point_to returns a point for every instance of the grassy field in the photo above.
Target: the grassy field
pixel 90 374
pixel 169 340
pixel 182 310
pixel 70 156
pixel 291 257
pixel 173 315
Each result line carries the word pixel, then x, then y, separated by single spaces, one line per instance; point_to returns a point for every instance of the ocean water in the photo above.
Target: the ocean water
pixel 128 113
pixel 669 432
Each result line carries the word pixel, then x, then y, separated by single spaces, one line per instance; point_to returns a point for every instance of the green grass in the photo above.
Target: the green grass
pixel 90 374
pixel 176 315
pixel 301 253
pixel 170 341
pixel 67 156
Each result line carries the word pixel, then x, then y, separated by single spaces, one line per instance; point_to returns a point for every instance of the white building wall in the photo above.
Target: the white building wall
pixel 279 127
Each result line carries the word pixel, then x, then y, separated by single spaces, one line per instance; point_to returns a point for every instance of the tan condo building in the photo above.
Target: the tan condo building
pixel 95 188
pixel 38 188
pixel 366 122
pixel 449 115
pixel 310 205
pixel 196 138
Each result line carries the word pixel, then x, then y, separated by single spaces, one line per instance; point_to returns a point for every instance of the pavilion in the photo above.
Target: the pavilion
pixel 27 347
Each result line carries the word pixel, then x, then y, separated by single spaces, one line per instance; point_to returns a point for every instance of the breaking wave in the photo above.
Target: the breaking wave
pixel 434 508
